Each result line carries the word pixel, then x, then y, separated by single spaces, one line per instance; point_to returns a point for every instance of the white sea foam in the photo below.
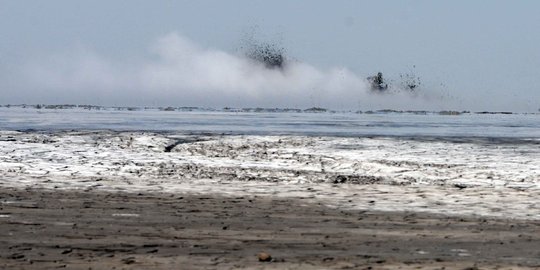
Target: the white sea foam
pixel 389 174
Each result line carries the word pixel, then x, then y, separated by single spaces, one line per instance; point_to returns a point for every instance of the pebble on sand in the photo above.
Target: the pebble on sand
pixel 264 257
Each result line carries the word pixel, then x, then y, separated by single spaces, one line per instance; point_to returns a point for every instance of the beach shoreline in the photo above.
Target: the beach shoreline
pixel 139 200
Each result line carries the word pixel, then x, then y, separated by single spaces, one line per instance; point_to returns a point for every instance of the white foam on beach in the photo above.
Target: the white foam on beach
pixel 125 215
pixel 387 174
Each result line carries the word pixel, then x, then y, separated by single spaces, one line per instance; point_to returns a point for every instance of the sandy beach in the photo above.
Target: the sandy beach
pixel 142 200
pixel 110 230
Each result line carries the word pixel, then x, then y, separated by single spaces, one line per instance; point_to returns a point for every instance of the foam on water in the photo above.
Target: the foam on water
pixel 467 164
pixel 387 174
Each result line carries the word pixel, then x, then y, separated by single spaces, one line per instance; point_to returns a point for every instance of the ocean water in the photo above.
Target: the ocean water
pixel 505 127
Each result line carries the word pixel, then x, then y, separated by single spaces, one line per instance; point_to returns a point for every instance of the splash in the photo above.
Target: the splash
pixel 408 82
pixel 179 72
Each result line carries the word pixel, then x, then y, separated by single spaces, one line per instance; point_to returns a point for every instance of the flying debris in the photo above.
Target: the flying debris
pixel 270 55
pixel 410 81
pixel 377 82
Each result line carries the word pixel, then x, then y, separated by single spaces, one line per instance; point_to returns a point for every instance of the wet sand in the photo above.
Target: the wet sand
pixel 41 229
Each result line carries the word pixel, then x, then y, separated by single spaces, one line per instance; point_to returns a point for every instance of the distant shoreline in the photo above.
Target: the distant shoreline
pixel 251 110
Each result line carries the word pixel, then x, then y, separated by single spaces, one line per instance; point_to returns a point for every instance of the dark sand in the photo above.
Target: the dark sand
pixel 99 230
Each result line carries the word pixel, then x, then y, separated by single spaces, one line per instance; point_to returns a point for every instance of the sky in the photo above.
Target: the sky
pixel 469 55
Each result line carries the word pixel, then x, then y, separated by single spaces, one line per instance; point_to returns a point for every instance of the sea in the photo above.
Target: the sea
pixel 495 126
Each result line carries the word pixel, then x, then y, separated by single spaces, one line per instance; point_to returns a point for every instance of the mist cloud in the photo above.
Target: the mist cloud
pixel 179 72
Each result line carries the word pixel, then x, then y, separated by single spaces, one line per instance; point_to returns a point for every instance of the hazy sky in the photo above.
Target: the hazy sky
pixel 477 55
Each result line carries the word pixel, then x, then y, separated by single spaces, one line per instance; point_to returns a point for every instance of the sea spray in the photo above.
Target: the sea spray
pixel 179 72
